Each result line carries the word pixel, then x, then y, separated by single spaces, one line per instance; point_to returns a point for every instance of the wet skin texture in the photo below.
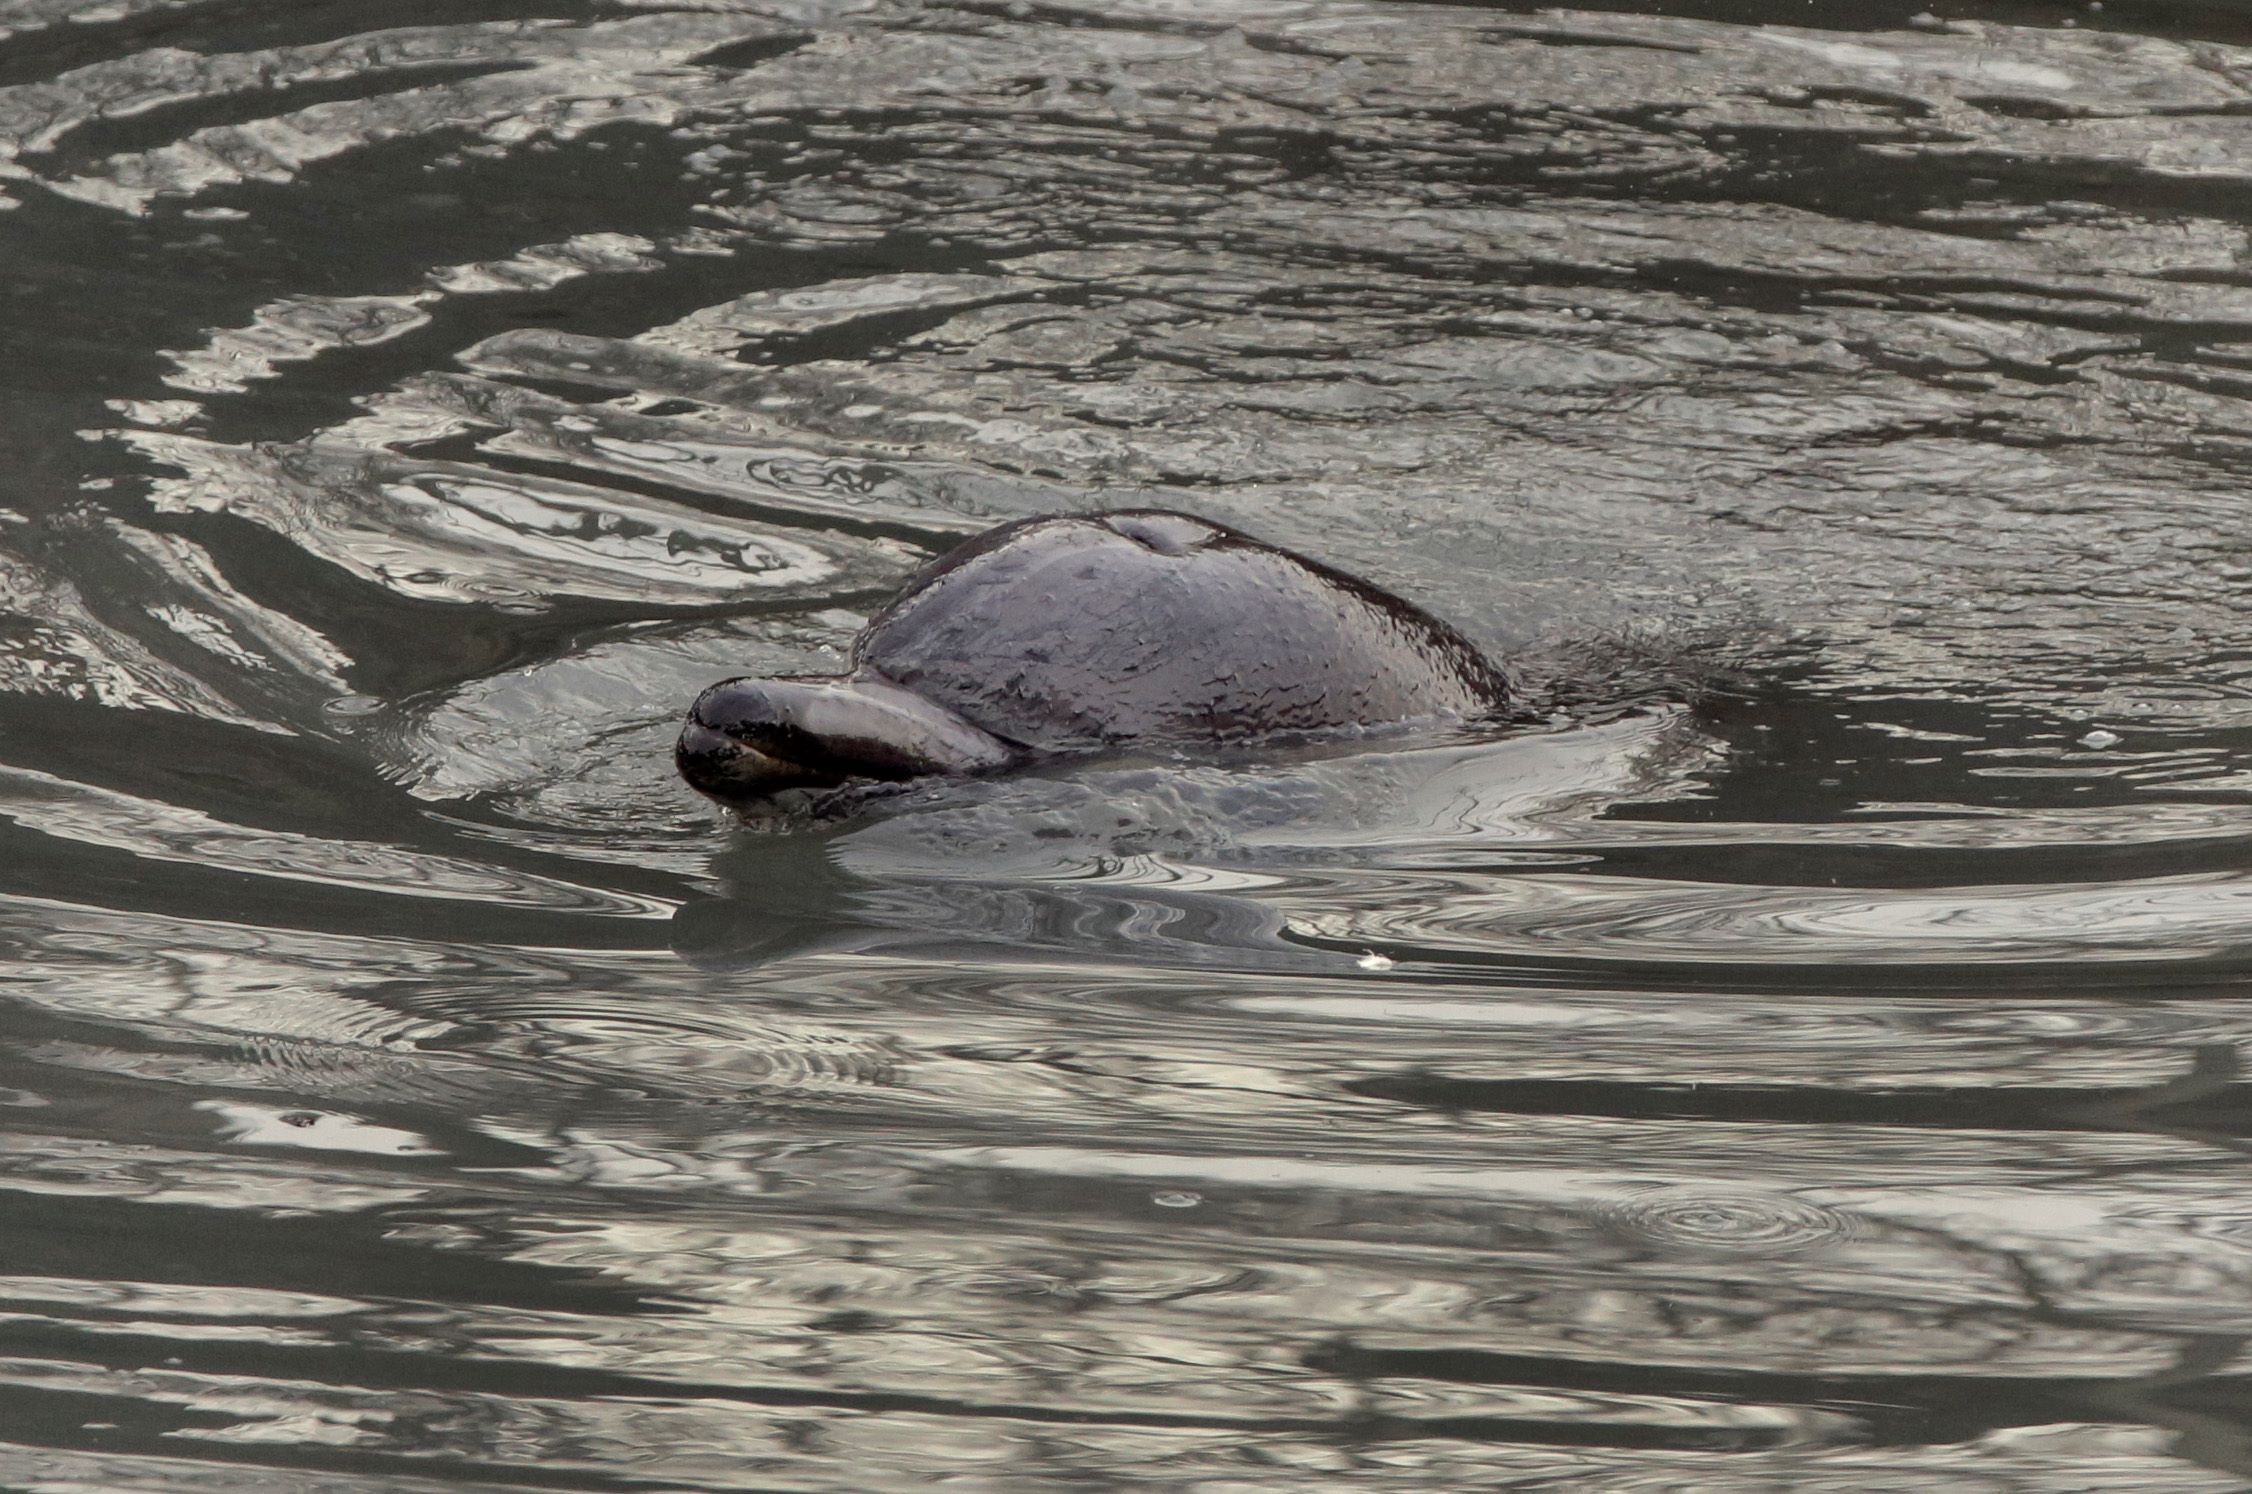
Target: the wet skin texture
pixel 1074 634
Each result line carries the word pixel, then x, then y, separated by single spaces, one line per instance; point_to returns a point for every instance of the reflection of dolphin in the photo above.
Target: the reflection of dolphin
pixel 1187 864
pixel 782 896
pixel 1036 864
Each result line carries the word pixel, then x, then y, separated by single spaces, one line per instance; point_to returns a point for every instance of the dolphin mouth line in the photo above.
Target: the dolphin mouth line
pixel 716 763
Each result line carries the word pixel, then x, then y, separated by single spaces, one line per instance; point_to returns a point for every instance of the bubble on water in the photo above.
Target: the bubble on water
pixel 1182 1200
pixel 1692 1219
pixel 2099 738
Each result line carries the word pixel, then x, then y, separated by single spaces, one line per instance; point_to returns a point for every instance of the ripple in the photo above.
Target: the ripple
pixel 1564 916
pixel 996 369
pixel 751 1062
pixel 303 327
pixel 1871 400
pixel 579 1043
pixel 1695 1219
pixel 158 832
pixel 437 531
pixel 748 463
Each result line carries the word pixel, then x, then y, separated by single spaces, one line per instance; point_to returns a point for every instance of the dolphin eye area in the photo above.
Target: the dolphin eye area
pixel 747 714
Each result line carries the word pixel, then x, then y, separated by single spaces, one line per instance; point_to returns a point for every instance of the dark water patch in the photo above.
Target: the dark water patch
pixel 1560 33
pixel 595 189
pixel 252 778
pixel 1937 976
pixel 79 282
pixel 2212 1105
pixel 743 55
pixel 83 1421
pixel 398 647
pixel 1839 750
pixel 63 1418
pixel 2202 20
pixel 875 338
pixel 107 877
pixel 1884 1408
pixel 108 1239
pixel 37 54
pixel 1914 866
pixel 373 1370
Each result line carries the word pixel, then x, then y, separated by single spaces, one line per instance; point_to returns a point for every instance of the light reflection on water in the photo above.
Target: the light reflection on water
pixel 1808 1055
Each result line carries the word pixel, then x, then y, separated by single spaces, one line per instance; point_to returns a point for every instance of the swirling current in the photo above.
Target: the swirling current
pixel 1807 1053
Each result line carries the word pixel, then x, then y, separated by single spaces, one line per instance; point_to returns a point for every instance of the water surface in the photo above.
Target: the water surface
pixel 1807 1055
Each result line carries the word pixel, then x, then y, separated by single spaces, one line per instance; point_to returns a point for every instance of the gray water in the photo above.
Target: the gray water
pixel 1808 1054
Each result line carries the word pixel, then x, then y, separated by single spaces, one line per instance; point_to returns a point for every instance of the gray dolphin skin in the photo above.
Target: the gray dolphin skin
pixel 1069 635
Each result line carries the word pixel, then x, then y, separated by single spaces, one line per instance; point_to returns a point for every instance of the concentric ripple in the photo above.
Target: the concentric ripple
pixel 1695 1220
